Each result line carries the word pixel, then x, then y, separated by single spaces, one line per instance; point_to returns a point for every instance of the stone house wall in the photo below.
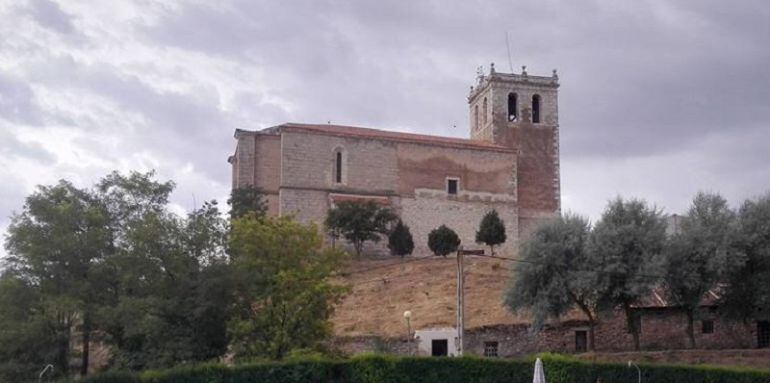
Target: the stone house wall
pixel 662 329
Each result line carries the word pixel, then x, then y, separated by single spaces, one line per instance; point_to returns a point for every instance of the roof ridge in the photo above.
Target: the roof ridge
pixel 392 135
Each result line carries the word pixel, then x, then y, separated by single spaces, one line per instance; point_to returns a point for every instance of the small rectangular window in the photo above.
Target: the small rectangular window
pixel 707 326
pixel 490 349
pixel 451 186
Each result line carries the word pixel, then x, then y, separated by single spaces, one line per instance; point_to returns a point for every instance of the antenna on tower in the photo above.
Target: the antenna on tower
pixel 508 45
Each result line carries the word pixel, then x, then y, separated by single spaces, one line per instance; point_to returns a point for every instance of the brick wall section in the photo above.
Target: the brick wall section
pixel 427 167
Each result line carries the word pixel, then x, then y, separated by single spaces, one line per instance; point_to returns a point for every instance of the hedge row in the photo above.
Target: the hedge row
pixel 383 369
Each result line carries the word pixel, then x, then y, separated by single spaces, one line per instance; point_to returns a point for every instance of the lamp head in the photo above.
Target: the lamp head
pixel 407 314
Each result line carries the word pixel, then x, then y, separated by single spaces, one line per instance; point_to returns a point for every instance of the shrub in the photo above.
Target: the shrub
pixel 376 369
pixel 358 222
pixel 400 240
pixel 491 231
pixel 443 241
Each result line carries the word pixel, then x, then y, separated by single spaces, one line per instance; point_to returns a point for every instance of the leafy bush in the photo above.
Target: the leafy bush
pixel 443 241
pixel 491 231
pixel 400 240
pixel 377 369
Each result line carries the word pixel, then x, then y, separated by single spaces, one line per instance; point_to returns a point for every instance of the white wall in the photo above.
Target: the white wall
pixel 425 339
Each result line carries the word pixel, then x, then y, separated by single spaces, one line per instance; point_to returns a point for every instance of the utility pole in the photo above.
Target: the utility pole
pixel 461 295
pixel 460 301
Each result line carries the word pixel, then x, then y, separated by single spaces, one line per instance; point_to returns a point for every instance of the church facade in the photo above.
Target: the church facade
pixel 509 163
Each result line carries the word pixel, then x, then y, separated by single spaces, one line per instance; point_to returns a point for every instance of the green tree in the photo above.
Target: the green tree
pixel 166 287
pixel 115 263
pixel 556 273
pixel 56 245
pixel 284 296
pixel 400 240
pixel 246 200
pixel 626 241
pixel 491 231
pixel 359 222
pixel 443 240
pixel 696 257
pixel 747 288
pixel 28 339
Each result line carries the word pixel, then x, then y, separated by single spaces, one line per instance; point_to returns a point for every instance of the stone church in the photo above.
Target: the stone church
pixel 510 163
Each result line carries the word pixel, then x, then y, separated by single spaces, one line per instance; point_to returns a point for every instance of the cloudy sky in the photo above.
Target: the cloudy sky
pixel 658 99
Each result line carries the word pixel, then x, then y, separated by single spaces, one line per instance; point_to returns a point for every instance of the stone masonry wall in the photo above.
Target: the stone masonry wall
pixel 309 160
pixel 430 209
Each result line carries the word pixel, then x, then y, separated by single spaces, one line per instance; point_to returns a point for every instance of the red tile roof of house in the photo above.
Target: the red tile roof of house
pixel 352 131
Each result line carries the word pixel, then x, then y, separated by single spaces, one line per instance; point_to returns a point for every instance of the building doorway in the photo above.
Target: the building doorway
pixel 763 334
pixel 438 347
pixel 581 341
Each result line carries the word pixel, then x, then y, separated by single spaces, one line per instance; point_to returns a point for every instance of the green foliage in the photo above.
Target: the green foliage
pixel 696 257
pixel 627 239
pixel 491 231
pixel 284 297
pixel 56 246
pixel 246 200
pixel 26 341
pixel 747 292
pixel 557 273
pixel 166 286
pixel 113 262
pixel 443 240
pixel 359 222
pixel 400 240
pixel 380 369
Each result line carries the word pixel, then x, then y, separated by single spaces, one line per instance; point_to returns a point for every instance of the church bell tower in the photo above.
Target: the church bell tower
pixel 520 111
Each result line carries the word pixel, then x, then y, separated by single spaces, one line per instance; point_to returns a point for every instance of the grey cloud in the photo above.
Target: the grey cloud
pixel 12 147
pixel 49 15
pixel 642 82
pixel 17 101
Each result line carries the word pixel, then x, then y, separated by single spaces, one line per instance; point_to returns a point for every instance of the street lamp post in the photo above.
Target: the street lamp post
pixel 639 371
pixel 408 317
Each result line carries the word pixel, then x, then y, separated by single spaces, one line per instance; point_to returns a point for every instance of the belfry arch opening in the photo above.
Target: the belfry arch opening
pixel 536 109
pixel 512 107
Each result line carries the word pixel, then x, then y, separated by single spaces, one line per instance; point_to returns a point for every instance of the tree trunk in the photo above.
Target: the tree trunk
pixel 86 344
pixel 591 320
pixel 631 324
pixel 690 326
pixel 62 345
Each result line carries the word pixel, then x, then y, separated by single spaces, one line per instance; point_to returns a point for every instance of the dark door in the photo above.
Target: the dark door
pixel 581 341
pixel 438 347
pixel 763 334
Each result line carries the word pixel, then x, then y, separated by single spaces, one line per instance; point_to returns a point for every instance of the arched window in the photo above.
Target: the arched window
pixel 536 109
pixel 476 117
pixel 339 164
pixel 338 173
pixel 513 114
pixel 484 112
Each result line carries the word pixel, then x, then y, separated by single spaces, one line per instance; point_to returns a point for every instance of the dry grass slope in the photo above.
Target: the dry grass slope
pixel 383 288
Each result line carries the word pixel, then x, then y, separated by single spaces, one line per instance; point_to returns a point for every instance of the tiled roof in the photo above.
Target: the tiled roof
pixel 352 131
pixel 659 299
